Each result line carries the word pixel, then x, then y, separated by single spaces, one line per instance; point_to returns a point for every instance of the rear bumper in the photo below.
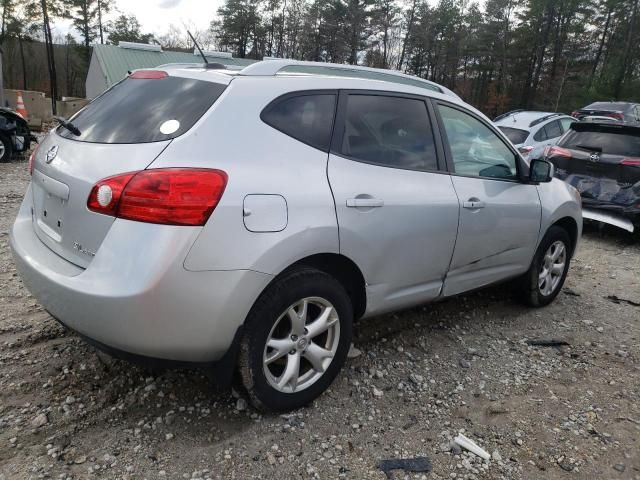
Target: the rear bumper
pixel 135 296
pixel 625 217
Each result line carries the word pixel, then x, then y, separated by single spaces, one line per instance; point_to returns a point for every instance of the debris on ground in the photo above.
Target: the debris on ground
pixel 616 299
pixel 470 445
pixel 547 343
pixel 414 465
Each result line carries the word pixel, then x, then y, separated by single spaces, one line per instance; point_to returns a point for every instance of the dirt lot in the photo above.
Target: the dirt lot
pixel 422 376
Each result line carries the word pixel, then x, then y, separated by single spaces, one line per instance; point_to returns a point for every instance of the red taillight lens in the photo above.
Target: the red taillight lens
pixel 575 114
pixel 32 159
pixel 170 196
pixel 148 75
pixel 556 152
pixel 634 162
pixel 617 116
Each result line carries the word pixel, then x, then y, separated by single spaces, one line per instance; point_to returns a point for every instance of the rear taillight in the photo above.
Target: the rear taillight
pixel 634 162
pixel 575 114
pixel 553 151
pixel 32 159
pixel 525 151
pixel 616 115
pixel 170 196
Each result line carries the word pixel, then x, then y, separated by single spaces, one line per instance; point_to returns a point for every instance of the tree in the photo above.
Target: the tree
pixel 84 16
pixel 127 28
pixel 47 11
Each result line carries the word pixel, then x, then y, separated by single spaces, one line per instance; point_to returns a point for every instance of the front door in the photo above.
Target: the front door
pixel 397 212
pixel 500 215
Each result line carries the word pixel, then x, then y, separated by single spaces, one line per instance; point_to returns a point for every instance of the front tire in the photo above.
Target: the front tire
pixel 548 271
pixel 296 340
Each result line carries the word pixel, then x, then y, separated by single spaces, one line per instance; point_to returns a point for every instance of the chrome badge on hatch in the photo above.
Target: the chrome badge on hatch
pixel 81 249
pixel 51 154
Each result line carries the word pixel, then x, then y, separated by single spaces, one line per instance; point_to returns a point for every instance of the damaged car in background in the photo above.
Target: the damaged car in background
pixel 15 136
pixel 602 161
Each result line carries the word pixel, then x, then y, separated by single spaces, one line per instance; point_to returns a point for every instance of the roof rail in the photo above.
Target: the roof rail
pixel 542 119
pixel 507 114
pixel 272 67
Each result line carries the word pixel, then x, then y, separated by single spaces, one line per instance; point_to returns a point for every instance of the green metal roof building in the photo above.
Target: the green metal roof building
pixel 111 63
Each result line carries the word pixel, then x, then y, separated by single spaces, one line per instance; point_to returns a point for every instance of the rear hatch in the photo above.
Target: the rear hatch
pixel 123 130
pixel 602 161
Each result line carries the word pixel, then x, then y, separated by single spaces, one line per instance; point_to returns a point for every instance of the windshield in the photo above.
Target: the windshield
pixel 139 110
pixel 607 142
pixel 516 135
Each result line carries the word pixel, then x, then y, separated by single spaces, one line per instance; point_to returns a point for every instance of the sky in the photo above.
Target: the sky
pixel 156 15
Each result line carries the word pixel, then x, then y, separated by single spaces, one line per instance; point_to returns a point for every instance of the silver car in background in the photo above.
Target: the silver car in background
pixel 242 221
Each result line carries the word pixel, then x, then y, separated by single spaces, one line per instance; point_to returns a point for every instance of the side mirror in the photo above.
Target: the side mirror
pixel 541 171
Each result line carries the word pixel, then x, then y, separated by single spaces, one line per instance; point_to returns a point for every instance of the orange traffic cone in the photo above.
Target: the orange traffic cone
pixel 20 105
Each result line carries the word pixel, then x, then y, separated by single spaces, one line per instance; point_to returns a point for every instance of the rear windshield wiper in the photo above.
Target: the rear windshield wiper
pixel 68 125
pixel 590 148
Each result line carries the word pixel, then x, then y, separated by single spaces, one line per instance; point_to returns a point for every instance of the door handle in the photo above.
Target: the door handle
pixel 473 204
pixel 364 202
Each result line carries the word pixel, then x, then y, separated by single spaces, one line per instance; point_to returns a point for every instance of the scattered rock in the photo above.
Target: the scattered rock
pixel 40 420
pixel 353 352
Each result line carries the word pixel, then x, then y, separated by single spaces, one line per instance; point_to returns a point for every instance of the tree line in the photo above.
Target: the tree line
pixel 497 54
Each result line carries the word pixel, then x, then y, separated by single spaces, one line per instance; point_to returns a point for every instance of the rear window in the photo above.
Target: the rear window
pixel 608 142
pixel 516 135
pixel 144 110
pixel 606 106
pixel 305 117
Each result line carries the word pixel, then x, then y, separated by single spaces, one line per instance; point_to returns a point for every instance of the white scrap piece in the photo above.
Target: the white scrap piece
pixel 470 445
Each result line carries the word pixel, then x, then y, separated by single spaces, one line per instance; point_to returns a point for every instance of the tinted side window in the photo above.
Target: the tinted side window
pixel 308 118
pixel 475 148
pixel 389 131
pixel 541 135
pixel 553 129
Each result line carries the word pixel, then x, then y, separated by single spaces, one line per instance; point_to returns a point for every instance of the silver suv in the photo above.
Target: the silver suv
pixel 242 221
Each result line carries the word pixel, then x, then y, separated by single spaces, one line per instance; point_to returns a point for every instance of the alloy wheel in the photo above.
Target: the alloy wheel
pixel 301 345
pixel 552 268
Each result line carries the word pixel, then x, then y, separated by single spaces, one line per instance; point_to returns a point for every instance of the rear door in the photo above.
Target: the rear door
pixel 123 130
pixel 397 209
pixel 500 216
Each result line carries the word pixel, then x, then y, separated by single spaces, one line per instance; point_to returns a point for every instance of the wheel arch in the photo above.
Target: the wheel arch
pixel 342 269
pixel 571 226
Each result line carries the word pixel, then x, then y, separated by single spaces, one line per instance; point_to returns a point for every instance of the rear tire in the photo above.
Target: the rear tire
pixel 544 279
pixel 296 340
pixel 6 149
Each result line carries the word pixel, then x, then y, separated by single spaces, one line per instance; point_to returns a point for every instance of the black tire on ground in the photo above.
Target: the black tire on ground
pixel 285 292
pixel 530 291
pixel 6 150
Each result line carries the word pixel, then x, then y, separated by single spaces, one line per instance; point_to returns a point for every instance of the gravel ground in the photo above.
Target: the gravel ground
pixel 422 377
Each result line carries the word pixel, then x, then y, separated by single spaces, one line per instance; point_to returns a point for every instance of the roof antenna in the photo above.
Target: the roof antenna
pixel 206 62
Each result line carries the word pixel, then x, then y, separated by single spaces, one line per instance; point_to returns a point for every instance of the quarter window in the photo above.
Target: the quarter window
pixel 389 131
pixel 541 135
pixel 475 149
pixel 553 129
pixel 308 118
pixel 566 123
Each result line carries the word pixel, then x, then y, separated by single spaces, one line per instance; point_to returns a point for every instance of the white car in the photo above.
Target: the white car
pixel 528 130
